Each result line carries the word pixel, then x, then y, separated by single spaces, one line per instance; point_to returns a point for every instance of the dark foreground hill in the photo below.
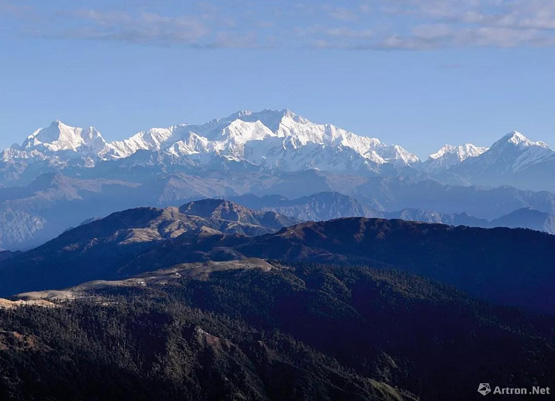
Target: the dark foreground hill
pixel 263 331
pixel 505 266
pixel 98 249
pixel 514 267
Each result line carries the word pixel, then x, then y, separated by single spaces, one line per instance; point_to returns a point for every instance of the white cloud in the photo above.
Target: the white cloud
pixel 433 24
pixel 138 28
pixel 364 24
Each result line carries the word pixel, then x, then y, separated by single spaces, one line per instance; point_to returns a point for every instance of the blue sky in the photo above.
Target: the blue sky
pixel 419 73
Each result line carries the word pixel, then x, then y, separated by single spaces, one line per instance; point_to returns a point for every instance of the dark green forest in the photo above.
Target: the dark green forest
pixel 299 332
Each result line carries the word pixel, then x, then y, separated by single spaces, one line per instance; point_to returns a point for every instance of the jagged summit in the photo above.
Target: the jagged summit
pixel 270 118
pixel 518 139
pixel 221 209
pixel 515 137
pixel 274 141
pixel 461 152
pixel 512 155
pixel 59 136
pixel 449 156
pixel 240 113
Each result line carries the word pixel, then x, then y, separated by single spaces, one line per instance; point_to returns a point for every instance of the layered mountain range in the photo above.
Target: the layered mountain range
pixel 61 176
pixel 213 300
pixel 269 139
pixel 53 203
pixel 331 205
pixel 491 264
pixel 31 215
pixel 276 141
pixel 265 257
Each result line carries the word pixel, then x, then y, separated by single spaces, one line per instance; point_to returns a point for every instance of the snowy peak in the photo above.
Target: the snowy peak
pixel 239 114
pixel 298 132
pixel 272 119
pixel 513 153
pixel 271 140
pixel 240 132
pixel 518 151
pixel 194 144
pixel 61 137
pixel 450 156
pixel 515 138
pixel 268 138
pixel 152 139
pixel 459 153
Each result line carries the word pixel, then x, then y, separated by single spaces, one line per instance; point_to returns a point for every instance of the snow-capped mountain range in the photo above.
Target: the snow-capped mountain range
pixel 286 142
pixel 271 139
pixel 512 153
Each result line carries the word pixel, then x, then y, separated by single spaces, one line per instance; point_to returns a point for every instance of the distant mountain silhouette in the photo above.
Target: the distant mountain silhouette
pixel 317 207
pixel 218 209
pixel 527 218
pixel 44 208
pixel 331 205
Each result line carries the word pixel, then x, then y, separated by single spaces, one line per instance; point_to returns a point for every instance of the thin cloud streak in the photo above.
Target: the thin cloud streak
pixel 365 25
